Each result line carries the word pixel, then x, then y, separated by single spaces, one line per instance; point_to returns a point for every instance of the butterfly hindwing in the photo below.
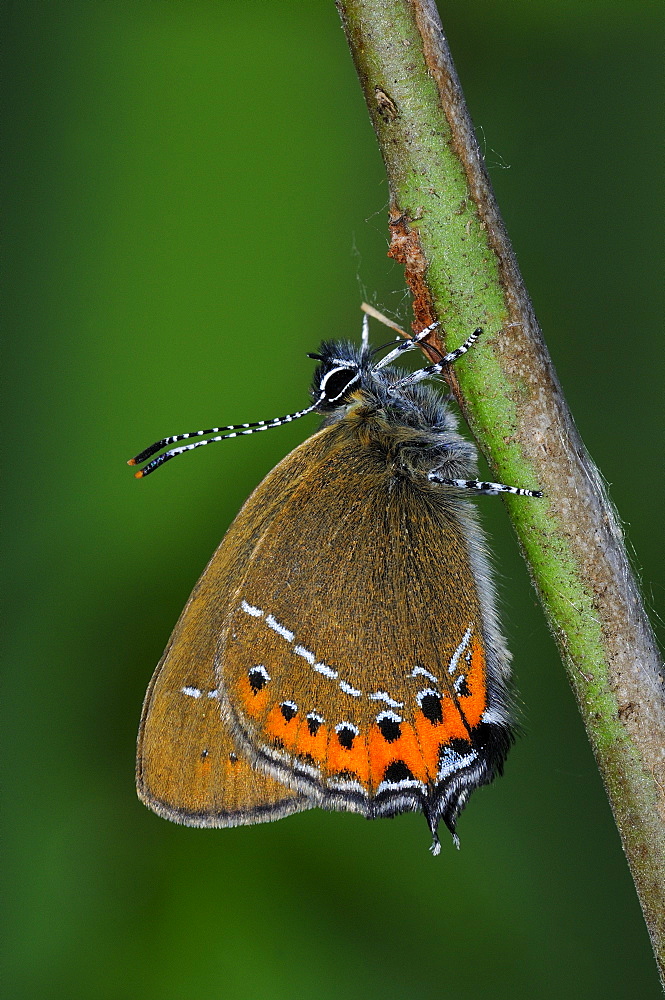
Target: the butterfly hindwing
pixel 353 664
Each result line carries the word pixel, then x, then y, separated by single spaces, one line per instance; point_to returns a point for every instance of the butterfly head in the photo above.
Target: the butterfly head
pixel 343 368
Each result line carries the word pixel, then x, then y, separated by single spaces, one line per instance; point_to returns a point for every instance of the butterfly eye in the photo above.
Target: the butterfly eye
pixel 337 383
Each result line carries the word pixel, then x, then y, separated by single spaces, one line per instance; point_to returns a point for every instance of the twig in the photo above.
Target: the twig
pixel 447 231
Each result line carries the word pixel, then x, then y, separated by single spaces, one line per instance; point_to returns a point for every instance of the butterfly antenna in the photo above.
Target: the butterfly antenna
pixel 219 434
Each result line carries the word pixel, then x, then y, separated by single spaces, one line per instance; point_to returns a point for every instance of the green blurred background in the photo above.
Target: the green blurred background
pixel 194 199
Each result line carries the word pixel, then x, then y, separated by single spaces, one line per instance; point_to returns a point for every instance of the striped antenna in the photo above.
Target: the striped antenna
pixel 220 434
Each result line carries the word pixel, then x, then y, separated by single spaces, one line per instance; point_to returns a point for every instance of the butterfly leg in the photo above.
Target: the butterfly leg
pixel 476 486
pixel 365 333
pixel 430 371
pixel 409 345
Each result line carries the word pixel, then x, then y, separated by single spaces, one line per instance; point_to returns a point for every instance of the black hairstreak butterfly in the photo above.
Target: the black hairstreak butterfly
pixel 342 647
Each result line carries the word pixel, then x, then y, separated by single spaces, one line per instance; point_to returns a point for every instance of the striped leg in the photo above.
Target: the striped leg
pixel 409 345
pixel 435 369
pixel 476 486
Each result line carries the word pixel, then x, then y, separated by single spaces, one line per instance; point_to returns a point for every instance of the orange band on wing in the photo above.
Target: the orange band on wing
pixel 314 746
pixel 354 759
pixel 453 727
pixel 282 729
pixel 254 702
pixel 405 748
pixel 430 736
pixel 473 705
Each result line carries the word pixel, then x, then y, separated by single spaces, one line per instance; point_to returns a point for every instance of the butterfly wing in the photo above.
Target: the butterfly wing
pixel 189 768
pixel 359 664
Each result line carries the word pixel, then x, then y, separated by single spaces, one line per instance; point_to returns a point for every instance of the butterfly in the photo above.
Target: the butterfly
pixel 342 648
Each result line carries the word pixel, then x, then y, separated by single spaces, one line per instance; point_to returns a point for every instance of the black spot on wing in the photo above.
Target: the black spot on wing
pixel 396 772
pixel 258 678
pixel 430 706
pixel 346 736
pixel 313 724
pixel 459 747
pixel 390 729
pixel 462 688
